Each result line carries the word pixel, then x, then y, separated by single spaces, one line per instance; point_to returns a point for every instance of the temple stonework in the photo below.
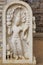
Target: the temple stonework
pixel 37 8
pixel 18 33
pixel 38 13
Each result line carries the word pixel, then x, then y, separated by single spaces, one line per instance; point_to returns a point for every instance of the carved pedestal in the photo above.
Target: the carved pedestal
pixel 17 33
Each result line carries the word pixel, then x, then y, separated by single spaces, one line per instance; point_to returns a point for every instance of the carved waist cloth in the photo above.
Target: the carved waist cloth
pixel 15 38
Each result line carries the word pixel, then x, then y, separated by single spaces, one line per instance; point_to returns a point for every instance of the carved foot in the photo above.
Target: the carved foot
pixel 15 57
pixel 21 57
pixel 26 56
pixel 8 55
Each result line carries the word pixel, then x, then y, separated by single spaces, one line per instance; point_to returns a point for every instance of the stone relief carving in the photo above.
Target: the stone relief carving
pixel 18 45
pixel 18 30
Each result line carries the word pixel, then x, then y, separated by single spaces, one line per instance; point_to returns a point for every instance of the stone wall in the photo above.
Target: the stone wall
pixel 38 13
pixel 37 6
pixel 38 49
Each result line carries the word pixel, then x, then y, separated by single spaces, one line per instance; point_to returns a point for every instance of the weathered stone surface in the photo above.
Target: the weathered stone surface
pixel 18 18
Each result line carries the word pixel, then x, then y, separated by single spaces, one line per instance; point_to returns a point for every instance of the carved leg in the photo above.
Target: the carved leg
pixel 26 50
pixel 13 46
pixel 19 47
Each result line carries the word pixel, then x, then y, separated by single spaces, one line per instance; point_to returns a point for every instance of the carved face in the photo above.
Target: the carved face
pixel 16 18
pixel 17 15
